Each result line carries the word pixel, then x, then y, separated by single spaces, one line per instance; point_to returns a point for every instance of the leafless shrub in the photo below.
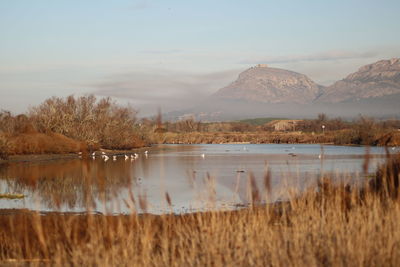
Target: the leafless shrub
pixel 86 119
pixel 4 147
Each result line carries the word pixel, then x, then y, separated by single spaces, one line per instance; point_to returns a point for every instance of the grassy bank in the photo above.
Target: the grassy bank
pixel 360 131
pixel 334 225
pixel 340 137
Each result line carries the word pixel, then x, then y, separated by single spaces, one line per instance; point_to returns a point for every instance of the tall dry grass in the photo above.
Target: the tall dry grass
pixel 240 137
pixel 331 225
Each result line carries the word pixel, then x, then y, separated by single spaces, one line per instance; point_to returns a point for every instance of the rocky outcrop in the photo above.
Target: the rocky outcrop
pixel 370 81
pixel 270 85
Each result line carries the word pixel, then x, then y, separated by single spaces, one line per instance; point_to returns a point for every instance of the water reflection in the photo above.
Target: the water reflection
pixel 193 175
pixel 67 184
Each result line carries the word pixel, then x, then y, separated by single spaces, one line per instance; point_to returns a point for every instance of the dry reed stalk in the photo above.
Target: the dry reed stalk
pixel 333 226
pixel 255 194
pixel 267 180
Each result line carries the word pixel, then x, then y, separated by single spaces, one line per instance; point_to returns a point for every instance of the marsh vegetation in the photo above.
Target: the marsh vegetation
pixel 65 125
pixel 330 225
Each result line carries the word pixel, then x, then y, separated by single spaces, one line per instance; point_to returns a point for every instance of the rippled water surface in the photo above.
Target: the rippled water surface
pixel 196 177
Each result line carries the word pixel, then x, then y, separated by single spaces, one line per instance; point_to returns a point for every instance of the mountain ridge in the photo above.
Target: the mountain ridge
pixel 270 85
pixel 373 90
pixel 373 80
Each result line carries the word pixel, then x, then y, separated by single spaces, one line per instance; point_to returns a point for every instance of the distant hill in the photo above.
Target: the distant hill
pixel 270 85
pixel 371 81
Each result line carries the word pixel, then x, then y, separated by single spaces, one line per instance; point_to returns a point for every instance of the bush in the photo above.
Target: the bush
pixel 86 119
pixel 4 147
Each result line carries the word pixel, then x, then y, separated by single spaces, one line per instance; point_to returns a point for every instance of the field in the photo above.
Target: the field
pixel 331 225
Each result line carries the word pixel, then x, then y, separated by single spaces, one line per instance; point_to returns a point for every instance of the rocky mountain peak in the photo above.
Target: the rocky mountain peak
pixel 381 70
pixel 270 85
pixel 373 80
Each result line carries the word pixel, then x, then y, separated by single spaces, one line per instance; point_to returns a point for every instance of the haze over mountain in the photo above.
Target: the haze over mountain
pixel 374 80
pixel 373 90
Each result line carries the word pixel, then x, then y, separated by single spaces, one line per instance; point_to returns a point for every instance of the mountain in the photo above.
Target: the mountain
pixel 370 81
pixel 270 85
pixel 261 91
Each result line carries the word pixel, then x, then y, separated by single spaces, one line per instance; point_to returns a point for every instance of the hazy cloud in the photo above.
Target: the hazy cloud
pixel 169 51
pixel 167 89
pixel 140 5
pixel 324 56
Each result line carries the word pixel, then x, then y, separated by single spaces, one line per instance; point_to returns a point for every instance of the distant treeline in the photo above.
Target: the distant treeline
pixel 360 131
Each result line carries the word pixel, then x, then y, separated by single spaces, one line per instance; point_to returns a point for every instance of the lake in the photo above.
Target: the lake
pixel 181 178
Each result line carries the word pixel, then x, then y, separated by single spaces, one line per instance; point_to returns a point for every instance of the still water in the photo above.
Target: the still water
pixel 195 177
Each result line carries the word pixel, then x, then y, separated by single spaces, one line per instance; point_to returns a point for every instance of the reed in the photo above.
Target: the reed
pixel 330 225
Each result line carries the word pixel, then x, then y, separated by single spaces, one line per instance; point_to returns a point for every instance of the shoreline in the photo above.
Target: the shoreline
pixel 71 156
pixel 63 156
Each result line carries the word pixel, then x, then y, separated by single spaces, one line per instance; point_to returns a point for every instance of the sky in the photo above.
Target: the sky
pixel 171 54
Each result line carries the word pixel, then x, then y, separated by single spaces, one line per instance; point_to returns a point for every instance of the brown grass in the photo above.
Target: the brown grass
pixel 39 143
pixel 334 225
pixel 361 131
pixel 237 137
pixel 340 137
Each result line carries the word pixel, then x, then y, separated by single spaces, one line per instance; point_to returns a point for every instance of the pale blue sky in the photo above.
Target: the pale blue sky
pixel 174 49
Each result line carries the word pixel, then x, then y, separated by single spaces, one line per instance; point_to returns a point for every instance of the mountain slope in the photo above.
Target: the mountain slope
pixel 270 85
pixel 374 90
pixel 374 80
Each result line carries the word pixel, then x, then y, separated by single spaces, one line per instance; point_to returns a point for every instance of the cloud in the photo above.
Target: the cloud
pixel 168 89
pixel 324 56
pixel 170 51
pixel 141 5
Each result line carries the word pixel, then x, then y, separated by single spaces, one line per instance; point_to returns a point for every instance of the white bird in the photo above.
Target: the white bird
pixel 94 154
pixel 80 153
pixel 393 148
pixel 105 158
pixel 319 156
pixel 114 158
pixel 103 153
pixel 203 156
pixel 146 152
pixel 132 157
pixel 136 156
pixel 93 157
pixel 126 157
